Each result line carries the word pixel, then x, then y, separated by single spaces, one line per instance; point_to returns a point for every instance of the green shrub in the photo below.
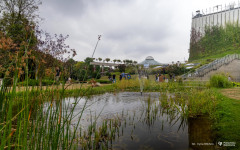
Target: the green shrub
pixel 8 82
pixel 220 81
pixel 104 81
pixel 96 75
pixel 33 82
pixel 236 84
pixel 46 82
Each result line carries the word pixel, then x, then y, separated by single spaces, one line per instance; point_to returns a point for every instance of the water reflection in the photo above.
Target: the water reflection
pixel 141 122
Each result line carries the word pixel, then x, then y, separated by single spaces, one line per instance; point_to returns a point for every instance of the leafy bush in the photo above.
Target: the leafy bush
pixel 175 69
pixel 47 82
pixel 220 81
pixel 122 67
pixel 8 82
pixel 33 82
pixel 108 74
pixel 236 84
pixel 104 81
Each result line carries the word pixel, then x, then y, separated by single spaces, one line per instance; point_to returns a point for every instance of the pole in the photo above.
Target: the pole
pixel 99 38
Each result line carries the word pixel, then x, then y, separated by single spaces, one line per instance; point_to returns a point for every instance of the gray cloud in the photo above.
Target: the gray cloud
pixel 132 29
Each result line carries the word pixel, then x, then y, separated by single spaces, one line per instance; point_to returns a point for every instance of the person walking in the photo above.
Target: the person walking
pixel 114 78
pixel 58 73
pixel 123 75
pixel 229 78
pixel 156 77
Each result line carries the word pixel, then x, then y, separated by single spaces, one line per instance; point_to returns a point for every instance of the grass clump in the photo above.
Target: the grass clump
pixel 220 81
pixel 194 102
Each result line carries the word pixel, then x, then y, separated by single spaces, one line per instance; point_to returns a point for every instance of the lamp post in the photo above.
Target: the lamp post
pixel 99 38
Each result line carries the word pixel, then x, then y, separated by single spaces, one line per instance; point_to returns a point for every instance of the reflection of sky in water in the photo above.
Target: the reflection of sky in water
pixel 166 131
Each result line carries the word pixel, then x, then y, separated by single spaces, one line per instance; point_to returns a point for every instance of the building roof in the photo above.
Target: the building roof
pixel 150 60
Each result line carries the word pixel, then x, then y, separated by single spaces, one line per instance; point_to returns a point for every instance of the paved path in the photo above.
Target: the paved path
pixel 233 93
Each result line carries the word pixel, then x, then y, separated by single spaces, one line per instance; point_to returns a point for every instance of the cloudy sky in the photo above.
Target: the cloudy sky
pixel 130 29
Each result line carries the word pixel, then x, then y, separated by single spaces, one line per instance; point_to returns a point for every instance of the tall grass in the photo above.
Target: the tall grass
pixel 220 81
pixel 216 42
pixel 33 125
pixel 26 123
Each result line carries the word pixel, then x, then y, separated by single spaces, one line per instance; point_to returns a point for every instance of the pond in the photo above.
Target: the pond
pixel 142 121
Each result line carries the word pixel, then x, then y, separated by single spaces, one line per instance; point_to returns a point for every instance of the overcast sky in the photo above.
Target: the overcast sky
pixel 130 29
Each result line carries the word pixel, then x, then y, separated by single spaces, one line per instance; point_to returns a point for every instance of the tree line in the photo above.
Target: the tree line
pixel 26 51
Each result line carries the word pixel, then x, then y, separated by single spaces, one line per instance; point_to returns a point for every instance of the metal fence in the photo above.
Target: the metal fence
pixel 216 64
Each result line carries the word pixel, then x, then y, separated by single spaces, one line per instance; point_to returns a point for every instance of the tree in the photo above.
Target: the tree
pixel 68 65
pixel 19 22
pixel 19 8
pixel 51 52
pixel 56 46
pixel 115 60
pixel 88 66
pixel 19 18
pixel 88 60
pixel 107 59
pixel 127 61
pixel 78 71
pixel 130 61
pixel 122 67
pixel 90 69
pixel 134 62
pixel 175 69
pixel 100 59
pixel 6 44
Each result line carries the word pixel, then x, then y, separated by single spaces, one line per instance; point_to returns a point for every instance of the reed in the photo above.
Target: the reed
pixel 29 123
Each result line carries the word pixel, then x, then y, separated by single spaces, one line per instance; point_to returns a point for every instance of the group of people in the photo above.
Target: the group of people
pixel 112 78
pixel 121 76
pixel 160 78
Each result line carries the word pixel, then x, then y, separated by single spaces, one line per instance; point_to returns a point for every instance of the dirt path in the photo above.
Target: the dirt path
pixel 232 93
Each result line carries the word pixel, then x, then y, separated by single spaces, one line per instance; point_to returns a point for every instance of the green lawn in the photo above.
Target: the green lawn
pixel 207 58
pixel 227 123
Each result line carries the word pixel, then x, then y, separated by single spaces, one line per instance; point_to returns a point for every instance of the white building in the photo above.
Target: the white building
pixel 216 16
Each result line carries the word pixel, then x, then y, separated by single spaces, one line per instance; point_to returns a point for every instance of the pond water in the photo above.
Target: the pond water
pixel 144 123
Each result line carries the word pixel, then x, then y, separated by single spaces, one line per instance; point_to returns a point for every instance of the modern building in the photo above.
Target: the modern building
pixel 218 15
pixel 149 61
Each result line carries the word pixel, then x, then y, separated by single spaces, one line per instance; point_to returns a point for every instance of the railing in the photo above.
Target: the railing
pixel 216 64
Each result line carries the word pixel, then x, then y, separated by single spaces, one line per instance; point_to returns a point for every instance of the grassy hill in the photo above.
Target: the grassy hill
pixel 216 43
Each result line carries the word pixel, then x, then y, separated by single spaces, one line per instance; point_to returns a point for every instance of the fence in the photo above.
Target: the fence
pixel 216 64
